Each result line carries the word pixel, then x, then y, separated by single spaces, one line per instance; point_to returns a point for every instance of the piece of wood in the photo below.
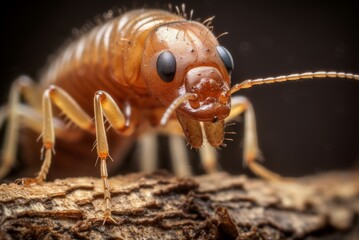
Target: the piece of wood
pixel 160 206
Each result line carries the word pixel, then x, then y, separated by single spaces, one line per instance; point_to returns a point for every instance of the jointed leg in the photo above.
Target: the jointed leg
pixel 208 156
pixel 26 116
pixel 179 156
pixel 177 148
pixel 251 149
pixel 23 86
pixel 104 105
pixel 72 110
pixel 148 152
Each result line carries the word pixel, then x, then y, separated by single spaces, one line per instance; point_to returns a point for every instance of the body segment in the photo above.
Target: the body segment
pixel 144 71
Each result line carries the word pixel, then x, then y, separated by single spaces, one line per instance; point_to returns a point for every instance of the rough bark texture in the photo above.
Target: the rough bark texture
pixel 160 206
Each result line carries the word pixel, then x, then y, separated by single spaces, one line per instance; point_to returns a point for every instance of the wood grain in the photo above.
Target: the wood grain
pixel 161 206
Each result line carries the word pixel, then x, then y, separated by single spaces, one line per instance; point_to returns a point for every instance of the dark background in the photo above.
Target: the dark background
pixel 304 127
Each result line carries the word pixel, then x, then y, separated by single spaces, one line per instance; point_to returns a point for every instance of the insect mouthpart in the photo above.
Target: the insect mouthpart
pixel 212 101
pixel 215 119
pixel 195 131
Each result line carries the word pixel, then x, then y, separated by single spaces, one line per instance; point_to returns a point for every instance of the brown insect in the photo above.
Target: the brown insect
pixel 144 71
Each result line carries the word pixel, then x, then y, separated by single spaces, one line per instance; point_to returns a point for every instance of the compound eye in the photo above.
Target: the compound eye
pixel 226 58
pixel 166 66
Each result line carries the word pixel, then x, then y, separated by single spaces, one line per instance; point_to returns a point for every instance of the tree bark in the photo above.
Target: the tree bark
pixel 160 206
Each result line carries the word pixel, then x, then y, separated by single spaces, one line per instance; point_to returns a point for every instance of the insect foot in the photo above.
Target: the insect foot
pixel 28 181
pixel 107 217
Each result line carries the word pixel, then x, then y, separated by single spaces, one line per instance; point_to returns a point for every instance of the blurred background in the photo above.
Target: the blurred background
pixel 304 127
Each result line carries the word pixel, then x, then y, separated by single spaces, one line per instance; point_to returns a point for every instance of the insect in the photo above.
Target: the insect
pixel 146 70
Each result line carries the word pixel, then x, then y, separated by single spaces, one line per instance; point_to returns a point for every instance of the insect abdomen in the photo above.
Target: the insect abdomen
pixel 107 58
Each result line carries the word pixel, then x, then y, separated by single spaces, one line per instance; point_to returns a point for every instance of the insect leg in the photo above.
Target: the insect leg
pixel 148 152
pixel 179 156
pixel 22 86
pixel 26 116
pixel 177 148
pixel 104 105
pixel 208 156
pixel 251 150
pixel 72 110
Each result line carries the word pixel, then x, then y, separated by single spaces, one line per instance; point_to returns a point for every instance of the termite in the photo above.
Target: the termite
pixel 144 71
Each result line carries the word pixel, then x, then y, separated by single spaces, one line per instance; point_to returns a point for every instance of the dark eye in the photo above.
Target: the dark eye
pixel 166 66
pixel 226 58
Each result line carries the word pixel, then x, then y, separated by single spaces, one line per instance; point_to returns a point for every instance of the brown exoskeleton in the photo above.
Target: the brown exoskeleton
pixel 147 70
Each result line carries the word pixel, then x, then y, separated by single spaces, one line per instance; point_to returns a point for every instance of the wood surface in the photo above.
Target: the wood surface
pixel 161 206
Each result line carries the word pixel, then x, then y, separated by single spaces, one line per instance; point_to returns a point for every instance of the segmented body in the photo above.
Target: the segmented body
pixel 109 58
pixel 119 57
pixel 106 58
pixel 146 68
